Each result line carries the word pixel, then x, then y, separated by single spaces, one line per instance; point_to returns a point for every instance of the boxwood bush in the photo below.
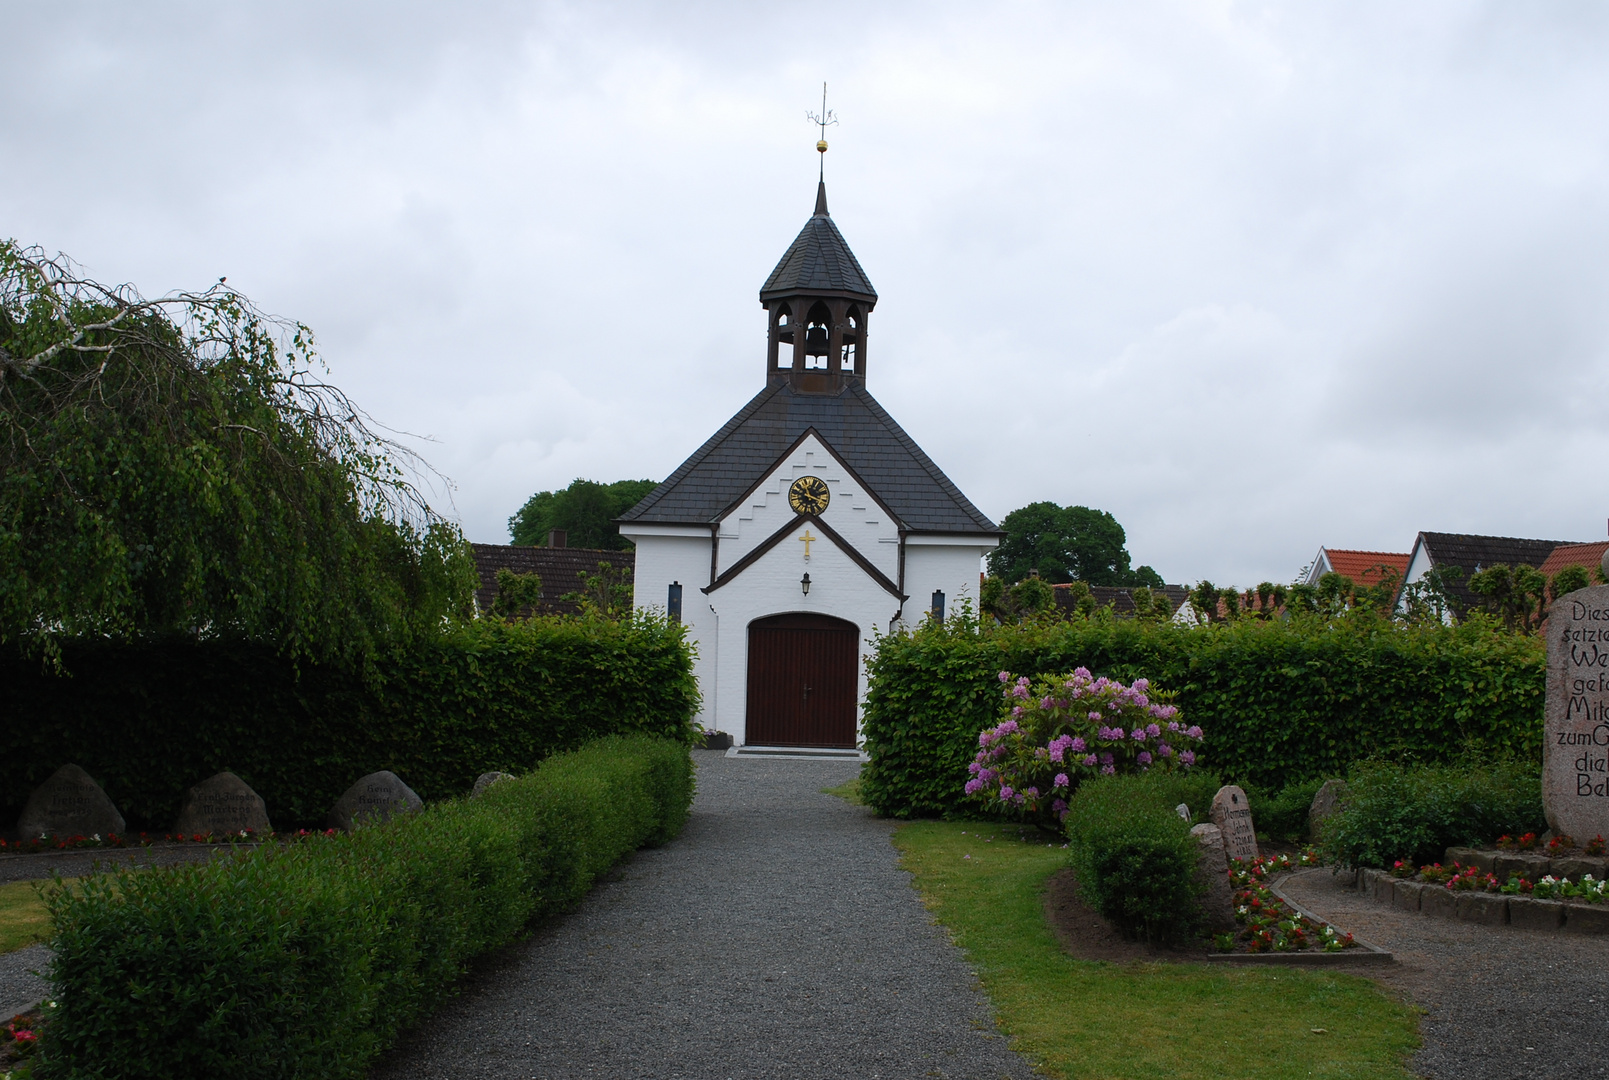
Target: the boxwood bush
pixel 150 719
pixel 1415 812
pixel 308 958
pixel 1281 701
pixel 1134 856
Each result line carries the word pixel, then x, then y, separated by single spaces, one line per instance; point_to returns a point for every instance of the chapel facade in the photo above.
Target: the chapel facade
pixel 807 523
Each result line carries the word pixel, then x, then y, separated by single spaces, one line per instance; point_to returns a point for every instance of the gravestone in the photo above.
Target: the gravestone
pixel 1324 805
pixel 486 780
pixel 69 804
pixel 1212 870
pixel 1232 814
pixel 1183 811
pixel 373 799
pixel 223 804
pixel 1575 748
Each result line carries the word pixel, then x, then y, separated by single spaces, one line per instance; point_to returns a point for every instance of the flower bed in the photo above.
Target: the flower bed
pixel 1269 924
pixel 19 1038
pixel 1586 889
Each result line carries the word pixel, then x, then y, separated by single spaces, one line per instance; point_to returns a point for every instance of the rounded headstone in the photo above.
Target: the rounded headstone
pixel 1324 805
pixel 1232 814
pixel 1183 811
pixel 374 798
pixel 69 804
pixel 1575 747
pixel 1212 870
pixel 220 805
pixel 486 780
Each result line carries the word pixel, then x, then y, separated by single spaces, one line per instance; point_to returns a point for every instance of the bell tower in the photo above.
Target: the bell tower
pixel 817 302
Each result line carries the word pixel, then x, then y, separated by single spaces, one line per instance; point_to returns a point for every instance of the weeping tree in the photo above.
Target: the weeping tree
pixel 181 465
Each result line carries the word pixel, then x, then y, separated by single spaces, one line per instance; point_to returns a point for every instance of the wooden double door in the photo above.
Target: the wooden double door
pixel 803 674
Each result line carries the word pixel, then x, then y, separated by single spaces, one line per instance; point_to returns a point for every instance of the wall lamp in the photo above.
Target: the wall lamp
pixel 804 583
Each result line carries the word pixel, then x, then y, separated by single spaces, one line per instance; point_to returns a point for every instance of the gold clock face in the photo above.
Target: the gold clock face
pixel 809 495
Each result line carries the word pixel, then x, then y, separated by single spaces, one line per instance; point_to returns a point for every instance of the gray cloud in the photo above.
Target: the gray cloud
pixel 1253 278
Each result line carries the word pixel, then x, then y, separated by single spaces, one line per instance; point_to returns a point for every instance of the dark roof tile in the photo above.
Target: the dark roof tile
pixel 852 423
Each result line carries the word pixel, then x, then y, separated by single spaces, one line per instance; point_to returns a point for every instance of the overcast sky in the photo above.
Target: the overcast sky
pixel 1255 278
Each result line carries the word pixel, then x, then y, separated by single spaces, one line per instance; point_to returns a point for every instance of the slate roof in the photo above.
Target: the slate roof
pixel 819 262
pixel 1473 553
pixel 559 569
pixel 852 423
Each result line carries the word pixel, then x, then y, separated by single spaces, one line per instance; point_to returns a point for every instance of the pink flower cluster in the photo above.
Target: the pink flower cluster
pixel 1065 729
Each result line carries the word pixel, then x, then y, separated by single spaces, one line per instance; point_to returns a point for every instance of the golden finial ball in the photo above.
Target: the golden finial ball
pixel 821 145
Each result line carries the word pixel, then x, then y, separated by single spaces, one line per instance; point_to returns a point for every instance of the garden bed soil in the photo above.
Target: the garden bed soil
pixel 1085 934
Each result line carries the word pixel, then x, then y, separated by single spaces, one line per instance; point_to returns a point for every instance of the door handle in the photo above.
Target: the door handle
pixel 806 694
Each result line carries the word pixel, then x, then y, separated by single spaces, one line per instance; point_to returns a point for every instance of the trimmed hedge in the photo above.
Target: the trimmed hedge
pixel 149 720
pixel 1281 701
pixel 308 958
pixel 1134 857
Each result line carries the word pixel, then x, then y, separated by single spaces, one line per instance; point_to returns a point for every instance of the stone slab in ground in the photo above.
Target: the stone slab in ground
pixel 70 803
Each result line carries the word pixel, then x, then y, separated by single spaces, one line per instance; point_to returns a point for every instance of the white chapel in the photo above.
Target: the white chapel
pixel 807 523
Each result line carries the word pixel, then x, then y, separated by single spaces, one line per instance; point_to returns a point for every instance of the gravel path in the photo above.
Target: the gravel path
pixel 19 990
pixel 94 860
pixel 1499 1002
pixel 776 938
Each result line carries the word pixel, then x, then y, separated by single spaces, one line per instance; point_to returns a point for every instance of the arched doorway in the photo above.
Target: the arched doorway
pixel 803 671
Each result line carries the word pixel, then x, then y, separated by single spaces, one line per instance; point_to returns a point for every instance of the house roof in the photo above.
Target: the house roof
pixel 1363 567
pixel 1120 599
pixel 819 262
pixel 1587 555
pixel 559 568
pixel 852 423
pixel 1472 553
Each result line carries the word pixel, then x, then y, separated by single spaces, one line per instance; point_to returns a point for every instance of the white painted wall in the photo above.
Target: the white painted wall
pixel 770 586
pixel 851 511
pixel 945 563
pixel 718 622
pixel 667 553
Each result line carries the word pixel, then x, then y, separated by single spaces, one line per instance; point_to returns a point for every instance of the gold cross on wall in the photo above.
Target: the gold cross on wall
pixel 805 540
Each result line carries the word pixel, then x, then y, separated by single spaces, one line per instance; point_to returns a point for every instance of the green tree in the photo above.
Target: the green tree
pixel 585 510
pixel 1066 543
pixel 182 465
pixel 516 593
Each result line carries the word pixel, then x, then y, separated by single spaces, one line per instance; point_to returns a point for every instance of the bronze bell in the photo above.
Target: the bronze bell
pixel 816 341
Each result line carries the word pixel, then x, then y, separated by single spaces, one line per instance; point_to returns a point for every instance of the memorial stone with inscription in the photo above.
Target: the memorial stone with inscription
pixel 69 804
pixel 1232 814
pixel 1575 751
pixel 223 804
pixel 373 799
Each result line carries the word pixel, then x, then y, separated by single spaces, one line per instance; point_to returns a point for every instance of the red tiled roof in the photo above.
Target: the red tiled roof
pixel 1587 555
pixel 1363 567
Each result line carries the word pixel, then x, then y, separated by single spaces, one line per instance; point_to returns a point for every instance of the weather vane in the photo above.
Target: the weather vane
pixel 824 119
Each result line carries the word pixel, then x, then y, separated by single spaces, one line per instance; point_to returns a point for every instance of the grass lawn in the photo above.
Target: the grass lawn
pixel 23 919
pixel 1085 1019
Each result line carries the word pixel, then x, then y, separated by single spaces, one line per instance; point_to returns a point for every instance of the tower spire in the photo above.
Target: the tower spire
pixel 824 119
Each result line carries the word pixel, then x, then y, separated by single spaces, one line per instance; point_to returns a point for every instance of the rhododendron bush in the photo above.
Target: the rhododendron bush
pixel 1062 730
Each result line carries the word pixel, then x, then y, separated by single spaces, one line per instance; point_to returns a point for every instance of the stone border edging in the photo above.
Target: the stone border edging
pixel 1483 908
pixel 1365 953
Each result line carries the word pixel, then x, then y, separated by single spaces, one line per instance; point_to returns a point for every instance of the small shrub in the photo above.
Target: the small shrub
pixel 1134 857
pixel 308 958
pixel 1414 812
pixel 1061 731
